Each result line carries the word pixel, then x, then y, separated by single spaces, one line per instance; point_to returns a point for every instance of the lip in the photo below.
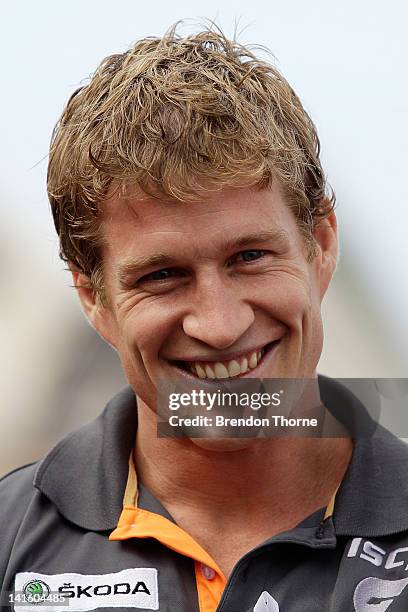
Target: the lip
pixel 222 357
pixel 254 373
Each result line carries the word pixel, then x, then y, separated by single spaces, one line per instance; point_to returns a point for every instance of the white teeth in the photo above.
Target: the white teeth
pixel 244 365
pixel 200 371
pixel 233 368
pixel 209 371
pixel 220 370
pixel 253 361
pixel 229 369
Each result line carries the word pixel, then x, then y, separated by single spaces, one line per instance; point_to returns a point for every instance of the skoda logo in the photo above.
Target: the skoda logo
pixel 36 590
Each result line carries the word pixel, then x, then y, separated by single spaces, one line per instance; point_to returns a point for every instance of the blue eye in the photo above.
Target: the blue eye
pixel 159 275
pixel 251 255
pixel 164 274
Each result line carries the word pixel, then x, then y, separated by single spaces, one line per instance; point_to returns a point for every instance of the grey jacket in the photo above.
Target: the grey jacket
pixel 56 516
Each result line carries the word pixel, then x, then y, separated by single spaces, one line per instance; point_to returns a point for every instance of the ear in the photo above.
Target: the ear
pixel 98 314
pixel 325 234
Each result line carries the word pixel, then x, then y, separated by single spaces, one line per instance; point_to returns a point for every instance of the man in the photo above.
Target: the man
pixel 191 207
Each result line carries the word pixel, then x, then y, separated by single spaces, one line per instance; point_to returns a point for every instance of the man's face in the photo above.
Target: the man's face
pixel 215 288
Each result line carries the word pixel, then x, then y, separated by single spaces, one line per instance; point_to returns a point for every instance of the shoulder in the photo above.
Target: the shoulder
pixel 16 491
pixel 16 495
pixel 18 476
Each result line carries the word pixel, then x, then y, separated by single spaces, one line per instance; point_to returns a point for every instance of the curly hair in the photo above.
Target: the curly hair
pixel 175 117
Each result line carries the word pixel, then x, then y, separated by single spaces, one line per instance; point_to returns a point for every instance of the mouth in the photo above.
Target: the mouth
pixel 231 368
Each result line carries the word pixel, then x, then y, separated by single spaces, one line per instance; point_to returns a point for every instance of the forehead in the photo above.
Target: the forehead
pixel 145 225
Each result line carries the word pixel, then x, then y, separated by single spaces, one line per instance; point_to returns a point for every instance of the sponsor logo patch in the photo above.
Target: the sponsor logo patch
pixel 36 589
pixel 130 588
pixel 374 554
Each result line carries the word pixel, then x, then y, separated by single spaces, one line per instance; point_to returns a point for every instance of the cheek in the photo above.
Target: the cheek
pixel 146 328
pixel 313 329
pixel 288 299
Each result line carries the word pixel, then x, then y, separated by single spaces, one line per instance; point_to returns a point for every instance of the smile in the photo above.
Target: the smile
pixel 231 368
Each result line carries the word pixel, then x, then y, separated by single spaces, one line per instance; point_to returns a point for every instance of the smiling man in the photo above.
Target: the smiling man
pixel 192 210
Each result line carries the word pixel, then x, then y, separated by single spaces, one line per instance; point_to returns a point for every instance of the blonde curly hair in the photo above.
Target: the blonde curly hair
pixel 175 117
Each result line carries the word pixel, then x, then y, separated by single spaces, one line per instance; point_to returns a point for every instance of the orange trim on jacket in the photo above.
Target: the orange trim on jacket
pixel 136 522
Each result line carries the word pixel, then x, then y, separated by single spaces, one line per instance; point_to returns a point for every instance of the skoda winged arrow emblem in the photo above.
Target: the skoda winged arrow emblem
pixel 266 603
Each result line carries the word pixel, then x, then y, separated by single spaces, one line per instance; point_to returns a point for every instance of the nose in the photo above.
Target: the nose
pixel 219 316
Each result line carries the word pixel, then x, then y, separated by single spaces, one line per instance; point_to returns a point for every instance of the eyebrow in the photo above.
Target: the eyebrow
pixel 133 266
pixel 278 236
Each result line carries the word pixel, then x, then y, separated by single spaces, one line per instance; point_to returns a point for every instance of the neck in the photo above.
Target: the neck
pixel 288 478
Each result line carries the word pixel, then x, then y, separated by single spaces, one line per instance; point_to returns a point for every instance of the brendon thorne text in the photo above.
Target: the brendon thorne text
pixel 250 421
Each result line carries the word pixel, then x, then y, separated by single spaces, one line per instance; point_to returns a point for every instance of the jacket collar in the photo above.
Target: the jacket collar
pixel 85 474
pixel 373 497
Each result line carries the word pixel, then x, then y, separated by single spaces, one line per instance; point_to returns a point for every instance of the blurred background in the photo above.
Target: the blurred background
pixel 347 61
